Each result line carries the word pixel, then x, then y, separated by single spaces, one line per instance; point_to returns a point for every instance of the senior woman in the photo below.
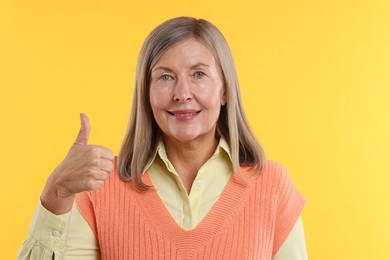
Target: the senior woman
pixel 190 182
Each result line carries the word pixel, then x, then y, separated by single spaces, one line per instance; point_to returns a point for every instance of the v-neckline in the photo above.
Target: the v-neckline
pixel 232 198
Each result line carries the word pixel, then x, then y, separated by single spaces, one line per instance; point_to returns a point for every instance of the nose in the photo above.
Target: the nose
pixel 182 91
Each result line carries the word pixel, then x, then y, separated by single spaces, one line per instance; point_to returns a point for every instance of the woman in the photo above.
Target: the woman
pixel 190 182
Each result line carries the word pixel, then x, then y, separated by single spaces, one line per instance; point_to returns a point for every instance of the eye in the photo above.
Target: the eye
pixel 165 77
pixel 199 74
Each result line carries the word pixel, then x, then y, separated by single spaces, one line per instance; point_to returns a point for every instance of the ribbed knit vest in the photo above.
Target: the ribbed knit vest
pixel 250 220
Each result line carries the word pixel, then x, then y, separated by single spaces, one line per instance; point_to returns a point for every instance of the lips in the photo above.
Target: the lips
pixel 184 114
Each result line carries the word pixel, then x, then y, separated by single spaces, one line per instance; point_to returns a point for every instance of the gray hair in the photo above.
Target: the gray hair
pixel 141 139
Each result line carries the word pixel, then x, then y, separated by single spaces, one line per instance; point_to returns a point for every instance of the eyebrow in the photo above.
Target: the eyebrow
pixel 162 68
pixel 197 65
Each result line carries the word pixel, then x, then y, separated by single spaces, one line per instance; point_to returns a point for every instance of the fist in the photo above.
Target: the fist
pixel 84 168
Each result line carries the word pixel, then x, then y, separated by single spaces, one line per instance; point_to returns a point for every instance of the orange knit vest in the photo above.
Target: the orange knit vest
pixel 250 220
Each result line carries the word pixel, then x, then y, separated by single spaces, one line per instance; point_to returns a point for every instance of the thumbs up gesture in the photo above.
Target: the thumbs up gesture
pixel 84 168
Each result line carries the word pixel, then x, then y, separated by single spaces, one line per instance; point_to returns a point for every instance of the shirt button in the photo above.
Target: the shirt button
pixel 199 183
pixel 55 233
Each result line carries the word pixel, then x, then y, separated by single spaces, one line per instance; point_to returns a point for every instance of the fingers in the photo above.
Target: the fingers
pixel 100 158
pixel 86 166
pixel 107 154
pixel 106 165
pixel 94 184
pixel 101 175
pixel 98 151
pixel 85 129
pixel 83 136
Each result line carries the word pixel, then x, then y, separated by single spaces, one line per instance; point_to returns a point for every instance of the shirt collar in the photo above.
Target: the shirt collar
pixel 223 146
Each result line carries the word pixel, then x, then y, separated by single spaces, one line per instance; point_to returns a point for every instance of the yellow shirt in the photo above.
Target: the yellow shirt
pixel 70 235
pixel 188 210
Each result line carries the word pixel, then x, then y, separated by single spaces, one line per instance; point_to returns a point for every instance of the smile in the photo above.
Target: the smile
pixel 184 115
pixel 187 114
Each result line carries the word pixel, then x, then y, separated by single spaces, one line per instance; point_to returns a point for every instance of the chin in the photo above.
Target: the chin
pixel 185 138
pixel 185 135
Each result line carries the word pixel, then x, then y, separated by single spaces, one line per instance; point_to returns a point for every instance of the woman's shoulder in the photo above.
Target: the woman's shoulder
pixel 274 167
pixel 269 167
pixel 273 172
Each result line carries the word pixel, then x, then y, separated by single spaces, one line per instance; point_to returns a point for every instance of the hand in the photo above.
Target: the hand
pixel 84 168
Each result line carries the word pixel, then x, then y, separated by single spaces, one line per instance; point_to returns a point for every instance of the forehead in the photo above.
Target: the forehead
pixel 187 52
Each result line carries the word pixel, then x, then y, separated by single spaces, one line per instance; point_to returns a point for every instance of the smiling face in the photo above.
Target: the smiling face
pixel 186 92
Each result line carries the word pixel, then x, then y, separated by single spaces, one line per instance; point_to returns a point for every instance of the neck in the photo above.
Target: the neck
pixel 189 157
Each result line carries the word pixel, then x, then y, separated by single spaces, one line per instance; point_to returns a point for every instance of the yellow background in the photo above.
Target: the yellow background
pixel 315 83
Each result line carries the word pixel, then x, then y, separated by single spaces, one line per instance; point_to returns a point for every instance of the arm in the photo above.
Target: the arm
pixel 67 236
pixel 288 226
pixel 84 168
pixel 294 247
pixel 82 242
pixel 46 236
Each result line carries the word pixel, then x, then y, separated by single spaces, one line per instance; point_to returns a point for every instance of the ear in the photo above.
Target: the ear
pixel 224 96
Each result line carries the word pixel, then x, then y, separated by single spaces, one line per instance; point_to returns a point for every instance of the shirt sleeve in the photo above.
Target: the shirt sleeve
pixel 46 236
pixel 82 242
pixel 294 247
pixel 289 206
pixel 66 236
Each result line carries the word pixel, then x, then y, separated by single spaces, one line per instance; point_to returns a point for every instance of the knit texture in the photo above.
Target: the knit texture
pixel 250 220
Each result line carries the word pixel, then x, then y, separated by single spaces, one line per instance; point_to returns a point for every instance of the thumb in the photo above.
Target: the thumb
pixel 85 129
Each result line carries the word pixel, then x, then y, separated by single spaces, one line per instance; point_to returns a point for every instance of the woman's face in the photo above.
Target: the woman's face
pixel 186 92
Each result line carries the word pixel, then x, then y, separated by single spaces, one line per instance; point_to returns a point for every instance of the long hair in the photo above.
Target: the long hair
pixel 143 133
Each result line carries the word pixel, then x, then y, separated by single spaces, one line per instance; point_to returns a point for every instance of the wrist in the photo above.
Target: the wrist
pixel 55 200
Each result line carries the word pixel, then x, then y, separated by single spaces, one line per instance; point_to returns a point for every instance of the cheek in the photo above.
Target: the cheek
pixel 154 99
pixel 215 106
pixel 159 96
